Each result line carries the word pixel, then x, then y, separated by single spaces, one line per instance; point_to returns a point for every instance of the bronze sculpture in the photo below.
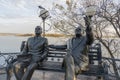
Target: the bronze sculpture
pixel 37 46
pixel 76 59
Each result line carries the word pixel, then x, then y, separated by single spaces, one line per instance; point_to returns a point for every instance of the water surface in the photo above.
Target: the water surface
pixel 13 43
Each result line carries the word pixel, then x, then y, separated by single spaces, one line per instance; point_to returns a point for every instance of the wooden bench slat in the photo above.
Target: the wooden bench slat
pixel 57 53
pixel 93 52
pixel 55 56
pixel 57 50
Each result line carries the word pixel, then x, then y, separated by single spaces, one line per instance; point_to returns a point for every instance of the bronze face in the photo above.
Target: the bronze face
pixel 78 32
pixel 38 30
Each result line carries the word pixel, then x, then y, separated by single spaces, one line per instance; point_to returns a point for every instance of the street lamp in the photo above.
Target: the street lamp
pixel 43 14
pixel 89 12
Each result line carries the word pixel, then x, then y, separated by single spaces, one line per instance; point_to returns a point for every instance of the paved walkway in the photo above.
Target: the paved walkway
pixel 42 75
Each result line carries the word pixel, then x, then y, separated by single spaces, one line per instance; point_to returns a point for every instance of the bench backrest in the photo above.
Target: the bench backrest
pixel 95 54
pixel 58 52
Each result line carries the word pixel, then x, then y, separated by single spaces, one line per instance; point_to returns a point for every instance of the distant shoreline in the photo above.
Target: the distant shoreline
pixel 47 35
pixel 27 34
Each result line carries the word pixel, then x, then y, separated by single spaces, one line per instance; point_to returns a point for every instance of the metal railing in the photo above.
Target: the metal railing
pixel 6 58
pixel 109 67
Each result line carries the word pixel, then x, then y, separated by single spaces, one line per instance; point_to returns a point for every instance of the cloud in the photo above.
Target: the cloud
pixel 20 3
pixel 21 15
pixel 15 8
pixel 25 25
pixel 13 4
pixel 22 8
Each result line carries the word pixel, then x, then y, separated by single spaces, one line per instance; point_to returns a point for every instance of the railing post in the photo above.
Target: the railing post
pixel 43 75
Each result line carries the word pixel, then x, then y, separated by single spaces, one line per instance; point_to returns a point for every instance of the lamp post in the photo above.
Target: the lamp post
pixel 90 11
pixel 43 14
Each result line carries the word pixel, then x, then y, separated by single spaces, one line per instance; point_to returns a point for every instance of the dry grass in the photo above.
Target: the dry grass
pixel 47 35
pixel 25 35
pixel 54 35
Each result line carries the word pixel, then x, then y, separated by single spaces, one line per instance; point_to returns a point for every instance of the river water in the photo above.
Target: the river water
pixel 13 43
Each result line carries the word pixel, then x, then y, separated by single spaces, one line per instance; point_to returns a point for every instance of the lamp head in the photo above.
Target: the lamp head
pixel 44 14
pixel 91 10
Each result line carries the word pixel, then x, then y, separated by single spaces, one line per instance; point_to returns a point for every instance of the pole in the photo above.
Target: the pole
pixel 43 27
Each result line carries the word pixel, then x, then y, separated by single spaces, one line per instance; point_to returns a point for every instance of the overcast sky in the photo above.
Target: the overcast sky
pixel 21 16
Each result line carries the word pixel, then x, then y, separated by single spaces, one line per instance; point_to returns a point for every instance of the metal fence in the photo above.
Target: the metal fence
pixel 109 67
pixel 5 58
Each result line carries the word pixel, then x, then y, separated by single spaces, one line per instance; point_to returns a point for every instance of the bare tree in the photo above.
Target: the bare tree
pixel 107 18
pixel 67 18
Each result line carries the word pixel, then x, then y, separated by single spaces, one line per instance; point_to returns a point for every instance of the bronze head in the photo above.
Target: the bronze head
pixel 78 31
pixel 38 31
